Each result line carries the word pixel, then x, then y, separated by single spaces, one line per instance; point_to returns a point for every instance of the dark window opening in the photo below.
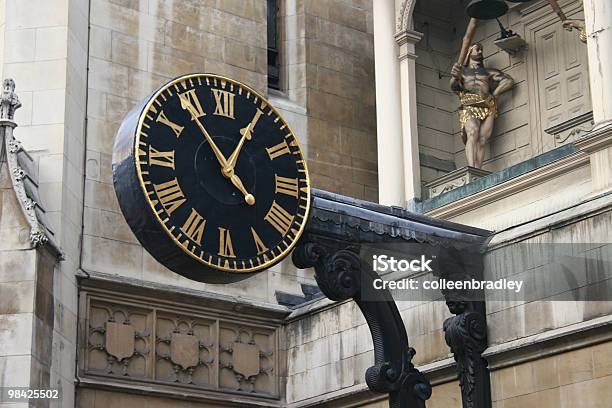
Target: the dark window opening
pixel 273 46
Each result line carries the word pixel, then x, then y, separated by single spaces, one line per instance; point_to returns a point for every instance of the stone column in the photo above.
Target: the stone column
pixel 388 106
pixel 406 39
pixel 598 16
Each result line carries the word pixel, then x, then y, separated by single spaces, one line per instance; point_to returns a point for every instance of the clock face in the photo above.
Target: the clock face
pixel 222 173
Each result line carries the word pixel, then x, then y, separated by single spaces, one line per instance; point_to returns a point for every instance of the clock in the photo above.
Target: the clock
pixel 211 179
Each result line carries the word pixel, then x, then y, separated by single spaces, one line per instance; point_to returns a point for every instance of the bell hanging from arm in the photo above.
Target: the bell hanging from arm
pixel 486 9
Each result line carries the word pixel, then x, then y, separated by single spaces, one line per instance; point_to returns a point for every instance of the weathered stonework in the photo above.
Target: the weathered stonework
pixel 178 347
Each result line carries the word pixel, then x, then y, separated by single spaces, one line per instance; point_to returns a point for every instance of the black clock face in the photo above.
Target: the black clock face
pixel 222 173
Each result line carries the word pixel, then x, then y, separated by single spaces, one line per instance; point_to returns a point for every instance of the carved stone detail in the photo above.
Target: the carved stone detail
pixel 247 358
pixel 189 348
pixel 404 19
pixel 187 345
pixel 124 349
pixel 454 179
pixel 9 103
pixel 119 340
pixel 184 350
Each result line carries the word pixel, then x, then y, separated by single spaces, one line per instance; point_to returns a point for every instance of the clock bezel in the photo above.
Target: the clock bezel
pixel 137 163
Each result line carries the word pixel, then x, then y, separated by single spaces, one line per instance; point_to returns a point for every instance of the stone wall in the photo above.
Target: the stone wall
pixel 27 315
pixel 340 93
pixel 579 378
pixel 328 90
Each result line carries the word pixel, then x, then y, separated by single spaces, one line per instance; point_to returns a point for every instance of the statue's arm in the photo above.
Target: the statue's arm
pixel 504 82
pixel 456 82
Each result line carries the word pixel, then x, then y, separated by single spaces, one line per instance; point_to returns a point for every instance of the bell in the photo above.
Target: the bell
pixel 486 9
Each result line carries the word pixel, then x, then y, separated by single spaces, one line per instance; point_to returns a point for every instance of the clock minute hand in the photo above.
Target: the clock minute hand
pixel 212 144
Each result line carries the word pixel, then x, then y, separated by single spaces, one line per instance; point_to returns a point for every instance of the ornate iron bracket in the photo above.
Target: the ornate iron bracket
pixel 340 275
pixel 466 335
pixel 466 332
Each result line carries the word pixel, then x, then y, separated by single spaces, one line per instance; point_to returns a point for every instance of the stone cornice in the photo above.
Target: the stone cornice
pixel 560 340
pixel 512 186
pixel 222 304
pixel 406 39
pixel 598 139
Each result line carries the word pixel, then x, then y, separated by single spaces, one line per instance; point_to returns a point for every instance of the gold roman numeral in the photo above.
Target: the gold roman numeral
pixel 261 247
pixel 225 244
pixel 278 150
pixel 194 226
pixel 224 103
pixel 170 195
pixel 189 100
pixel 288 186
pixel 163 119
pixel 279 218
pixel 158 158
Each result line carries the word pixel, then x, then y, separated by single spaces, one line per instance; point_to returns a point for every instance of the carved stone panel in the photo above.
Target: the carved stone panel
pixel 185 350
pixel 247 359
pixel 176 345
pixel 118 339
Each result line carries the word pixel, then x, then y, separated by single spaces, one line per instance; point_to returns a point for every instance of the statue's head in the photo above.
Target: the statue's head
pixel 475 54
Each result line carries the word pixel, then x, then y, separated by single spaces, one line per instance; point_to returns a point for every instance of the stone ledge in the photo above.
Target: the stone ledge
pixel 586 209
pixel 216 398
pixel 519 177
pixel 551 342
pixel 446 204
pixel 454 179
pixel 116 284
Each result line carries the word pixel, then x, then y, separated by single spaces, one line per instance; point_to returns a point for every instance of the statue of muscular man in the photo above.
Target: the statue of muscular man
pixel 478 88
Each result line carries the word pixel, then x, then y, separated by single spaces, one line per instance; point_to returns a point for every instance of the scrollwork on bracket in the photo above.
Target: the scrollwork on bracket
pixel 466 335
pixel 339 273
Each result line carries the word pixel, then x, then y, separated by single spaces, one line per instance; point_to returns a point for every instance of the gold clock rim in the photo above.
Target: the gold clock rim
pixel 137 162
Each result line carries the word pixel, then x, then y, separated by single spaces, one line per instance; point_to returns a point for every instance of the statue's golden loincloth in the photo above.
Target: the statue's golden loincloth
pixel 476 106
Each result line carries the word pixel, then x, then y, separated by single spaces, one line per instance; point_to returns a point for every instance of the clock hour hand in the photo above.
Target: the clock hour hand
pixel 231 162
pixel 247 133
pixel 211 142
pixel 248 197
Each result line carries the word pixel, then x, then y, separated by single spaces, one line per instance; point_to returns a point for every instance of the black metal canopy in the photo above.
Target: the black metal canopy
pixel 364 221
pixel 338 228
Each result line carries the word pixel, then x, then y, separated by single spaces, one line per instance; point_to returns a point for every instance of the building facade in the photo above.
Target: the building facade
pixel 364 84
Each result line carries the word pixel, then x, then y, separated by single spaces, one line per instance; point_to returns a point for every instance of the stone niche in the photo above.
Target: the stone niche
pixel 130 341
